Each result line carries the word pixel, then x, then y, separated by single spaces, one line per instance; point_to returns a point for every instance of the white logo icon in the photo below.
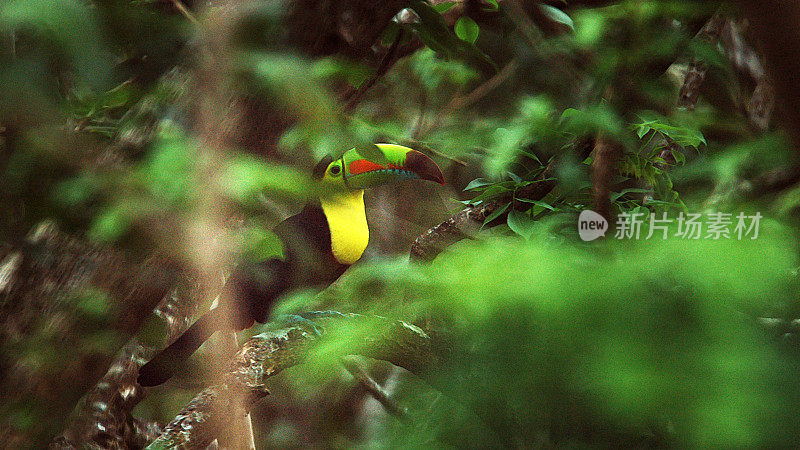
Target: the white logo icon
pixel 591 225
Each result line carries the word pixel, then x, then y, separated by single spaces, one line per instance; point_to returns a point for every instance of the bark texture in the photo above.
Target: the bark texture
pixel 267 354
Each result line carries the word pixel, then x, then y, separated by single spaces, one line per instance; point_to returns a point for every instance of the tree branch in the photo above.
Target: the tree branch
pixel 604 169
pixel 102 418
pixel 696 74
pixel 267 354
pixel 769 20
pixel 70 291
pixel 469 220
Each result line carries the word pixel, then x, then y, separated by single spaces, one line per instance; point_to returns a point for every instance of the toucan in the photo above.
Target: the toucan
pixel 319 243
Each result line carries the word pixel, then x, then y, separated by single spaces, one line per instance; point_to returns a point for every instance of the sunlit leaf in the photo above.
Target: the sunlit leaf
pixel 466 29
pixel 540 203
pixel 477 183
pixel 521 223
pixel 73 24
pixel 433 30
pixel 443 7
pixel 557 15
pixel 245 179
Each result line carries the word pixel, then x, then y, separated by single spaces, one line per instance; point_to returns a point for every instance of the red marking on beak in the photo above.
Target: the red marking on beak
pixel 416 162
pixel 360 166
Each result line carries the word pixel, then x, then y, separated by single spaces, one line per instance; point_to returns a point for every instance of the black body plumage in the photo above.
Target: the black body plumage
pixel 308 263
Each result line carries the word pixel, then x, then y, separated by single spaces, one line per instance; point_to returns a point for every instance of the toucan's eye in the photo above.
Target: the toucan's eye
pixel 335 169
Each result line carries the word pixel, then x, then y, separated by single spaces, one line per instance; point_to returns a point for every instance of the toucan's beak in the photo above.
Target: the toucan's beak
pixel 402 163
pixel 422 165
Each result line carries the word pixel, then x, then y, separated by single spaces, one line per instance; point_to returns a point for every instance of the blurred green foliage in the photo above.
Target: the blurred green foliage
pixel 550 341
pixel 578 345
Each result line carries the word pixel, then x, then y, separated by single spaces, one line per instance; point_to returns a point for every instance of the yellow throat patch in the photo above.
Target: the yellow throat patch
pixel 347 220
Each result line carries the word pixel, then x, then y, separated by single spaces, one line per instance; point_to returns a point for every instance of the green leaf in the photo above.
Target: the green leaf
pixel 334 68
pixel 680 158
pixel 477 183
pixel 490 192
pixel 444 6
pixel 594 119
pixel 641 210
pixel 493 6
pixel 244 179
pixel 372 152
pixel 538 203
pixel 514 177
pixel 616 195
pixel 557 15
pixel 531 155
pixel 257 244
pixel 571 113
pixel 466 29
pixel 642 129
pixel 433 31
pixel 682 135
pixel 109 226
pixel 521 223
pixel 71 24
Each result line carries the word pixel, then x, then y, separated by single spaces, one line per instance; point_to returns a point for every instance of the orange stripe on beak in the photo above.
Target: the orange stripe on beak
pixel 363 165
pixel 360 166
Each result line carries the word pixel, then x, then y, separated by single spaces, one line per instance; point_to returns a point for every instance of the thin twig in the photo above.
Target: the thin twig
pixel 413 143
pixel 484 89
pixel 372 386
pixel 473 96
pixel 524 23
pixel 185 11
pixel 354 97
